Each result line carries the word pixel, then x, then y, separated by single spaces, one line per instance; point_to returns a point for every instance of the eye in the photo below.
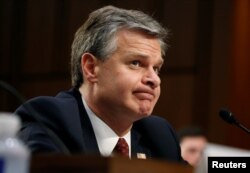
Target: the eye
pixel 136 63
pixel 157 70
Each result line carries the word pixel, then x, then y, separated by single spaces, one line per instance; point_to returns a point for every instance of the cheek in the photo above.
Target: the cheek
pixel 116 85
pixel 126 80
pixel 157 93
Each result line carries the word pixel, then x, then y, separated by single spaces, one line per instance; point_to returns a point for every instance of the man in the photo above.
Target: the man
pixel 193 142
pixel 115 63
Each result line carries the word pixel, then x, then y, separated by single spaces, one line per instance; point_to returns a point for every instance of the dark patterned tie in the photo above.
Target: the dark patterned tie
pixel 121 148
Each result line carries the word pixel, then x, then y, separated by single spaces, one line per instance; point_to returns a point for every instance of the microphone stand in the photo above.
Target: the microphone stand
pixel 243 127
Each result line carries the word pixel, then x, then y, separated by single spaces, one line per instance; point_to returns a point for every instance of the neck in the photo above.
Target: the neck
pixel 120 127
pixel 117 121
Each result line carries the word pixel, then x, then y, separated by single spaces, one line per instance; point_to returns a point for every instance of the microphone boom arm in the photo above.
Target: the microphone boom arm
pixel 227 116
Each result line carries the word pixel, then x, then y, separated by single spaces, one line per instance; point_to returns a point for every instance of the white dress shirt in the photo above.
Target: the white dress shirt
pixel 105 136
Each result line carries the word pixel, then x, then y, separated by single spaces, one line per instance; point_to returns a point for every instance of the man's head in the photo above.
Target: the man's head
pixel 193 142
pixel 98 35
pixel 116 58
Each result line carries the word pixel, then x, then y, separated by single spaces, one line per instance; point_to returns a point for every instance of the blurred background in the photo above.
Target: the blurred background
pixel 206 66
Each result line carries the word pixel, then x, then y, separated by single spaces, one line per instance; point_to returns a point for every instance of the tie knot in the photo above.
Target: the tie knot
pixel 121 148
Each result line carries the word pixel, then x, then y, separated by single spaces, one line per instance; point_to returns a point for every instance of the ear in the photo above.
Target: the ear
pixel 88 64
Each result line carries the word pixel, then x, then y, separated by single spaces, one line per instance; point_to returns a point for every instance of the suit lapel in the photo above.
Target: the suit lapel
pixel 139 148
pixel 90 143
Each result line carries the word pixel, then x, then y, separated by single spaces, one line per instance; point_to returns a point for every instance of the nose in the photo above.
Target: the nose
pixel 151 78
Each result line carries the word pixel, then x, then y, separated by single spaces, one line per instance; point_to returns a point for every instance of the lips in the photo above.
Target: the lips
pixel 144 94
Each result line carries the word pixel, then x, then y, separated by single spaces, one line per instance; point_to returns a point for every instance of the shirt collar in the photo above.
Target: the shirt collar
pixel 105 136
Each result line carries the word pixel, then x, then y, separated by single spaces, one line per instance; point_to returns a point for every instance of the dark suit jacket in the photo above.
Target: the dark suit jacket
pixel 66 117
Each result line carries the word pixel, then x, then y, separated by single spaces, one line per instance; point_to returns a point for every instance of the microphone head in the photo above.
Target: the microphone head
pixel 227 116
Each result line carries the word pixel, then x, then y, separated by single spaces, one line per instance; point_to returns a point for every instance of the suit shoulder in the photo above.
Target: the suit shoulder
pixel 154 120
pixel 49 101
pixel 47 106
pixel 155 125
pixel 160 135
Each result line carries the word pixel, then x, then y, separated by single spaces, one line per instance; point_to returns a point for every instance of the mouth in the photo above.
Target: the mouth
pixel 144 95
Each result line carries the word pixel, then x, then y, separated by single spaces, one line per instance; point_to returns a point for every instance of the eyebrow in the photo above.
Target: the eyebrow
pixel 141 55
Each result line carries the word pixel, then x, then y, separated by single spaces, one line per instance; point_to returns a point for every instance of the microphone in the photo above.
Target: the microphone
pixel 35 115
pixel 228 116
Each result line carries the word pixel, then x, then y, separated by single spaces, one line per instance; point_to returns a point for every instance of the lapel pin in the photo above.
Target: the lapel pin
pixel 141 156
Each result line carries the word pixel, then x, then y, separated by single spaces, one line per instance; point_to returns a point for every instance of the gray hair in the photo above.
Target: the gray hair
pixel 98 35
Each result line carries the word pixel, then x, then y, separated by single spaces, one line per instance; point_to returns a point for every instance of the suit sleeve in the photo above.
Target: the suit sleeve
pixel 36 128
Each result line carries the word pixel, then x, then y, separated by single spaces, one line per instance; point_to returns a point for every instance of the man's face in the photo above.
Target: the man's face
pixel 128 83
pixel 192 149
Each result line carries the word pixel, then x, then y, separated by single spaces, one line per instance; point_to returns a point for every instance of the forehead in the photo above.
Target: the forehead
pixel 135 38
pixel 137 42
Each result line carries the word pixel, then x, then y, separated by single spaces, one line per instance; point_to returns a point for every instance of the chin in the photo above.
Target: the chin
pixel 144 113
pixel 140 116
